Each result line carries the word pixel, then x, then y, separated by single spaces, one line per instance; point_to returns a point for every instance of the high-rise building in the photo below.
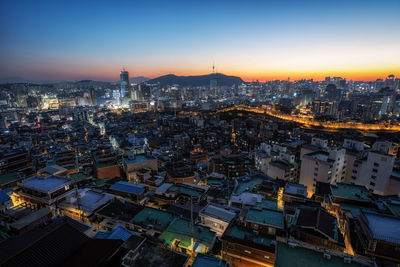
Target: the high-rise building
pixel 92 97
pixel 125 88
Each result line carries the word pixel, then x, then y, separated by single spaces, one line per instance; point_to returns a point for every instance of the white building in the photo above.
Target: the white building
pixel 216 218
pixel 375 171
pixel 322 166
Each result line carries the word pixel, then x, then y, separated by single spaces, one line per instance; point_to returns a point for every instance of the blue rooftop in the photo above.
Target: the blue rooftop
pixel 4 196
pixel 48 183
pixel 127 187
pixel 207 261
pixel 118 233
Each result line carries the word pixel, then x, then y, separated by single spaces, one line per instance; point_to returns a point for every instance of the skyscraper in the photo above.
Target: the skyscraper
pixel 92 97
pixel 125 88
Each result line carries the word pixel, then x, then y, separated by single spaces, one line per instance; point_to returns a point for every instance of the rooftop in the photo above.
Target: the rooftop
pixel 245 234
pixel 137 159
pixel 265 216
pixel 296 189
pixel 384 227
pixel 47 184
pixel 248 183
pixel 247 198
pixel 350 191
pixel 355 210
pixel 202 260
pixel 89 200
pixel 150 217
pixel 184 190
pixel 299 256
pixel 218 212
pixel 127 187
pixel 119 232
pixel 9 177
pixel 30 218
pixel 180 229
pixel 320 155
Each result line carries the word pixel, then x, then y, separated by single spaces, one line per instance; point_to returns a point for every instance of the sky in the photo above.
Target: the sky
pixel 264 40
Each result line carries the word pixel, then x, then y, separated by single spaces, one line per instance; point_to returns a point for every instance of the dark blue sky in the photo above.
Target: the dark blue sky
pixel 56 39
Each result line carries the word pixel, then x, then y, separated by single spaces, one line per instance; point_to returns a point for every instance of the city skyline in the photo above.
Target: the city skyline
pixel 261 41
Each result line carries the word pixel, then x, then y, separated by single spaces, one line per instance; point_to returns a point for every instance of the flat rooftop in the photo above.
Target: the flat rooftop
pixel 184 190
pixel 89 200
pixel 131 188
pixel 137 159
pixel 295 189
pixel 181 229
pixel 217 212
pixel 350 191
pixel 265 216
pixel 320 155
pixel 248 183
pixel 48 183
pixel 299 256
pixel 243 234
pixel 157 219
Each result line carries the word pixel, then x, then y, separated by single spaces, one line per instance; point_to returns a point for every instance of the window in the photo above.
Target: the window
pixel 247 251
pixel 372 184
pixel 374 170
pixel 215 224
pixel 271 231
pixel 373 176
pixel 376 164
pixel 266 257
pixel 316 169
pixel 315 174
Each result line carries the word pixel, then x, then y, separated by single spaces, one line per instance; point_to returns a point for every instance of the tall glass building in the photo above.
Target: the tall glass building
pixel 125 90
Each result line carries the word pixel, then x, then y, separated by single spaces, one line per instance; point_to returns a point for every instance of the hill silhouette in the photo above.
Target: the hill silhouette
pixel 199 80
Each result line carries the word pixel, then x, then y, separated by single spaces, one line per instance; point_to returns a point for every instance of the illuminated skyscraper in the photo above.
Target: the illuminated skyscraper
pixel 125 88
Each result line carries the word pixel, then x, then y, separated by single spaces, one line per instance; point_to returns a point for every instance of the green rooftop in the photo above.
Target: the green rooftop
pixel 100 182
pixel 354 209
pixel 184 190
pixel 240 233
pixel 265 216
pixel 298 256
pixel 137 159
pixel 180 229
pixel 268 204
pixel 157 219
pixel 79 176
pixel 8 177
pixel 350 191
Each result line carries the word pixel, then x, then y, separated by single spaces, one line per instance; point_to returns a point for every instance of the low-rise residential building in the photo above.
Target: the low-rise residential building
pixel 216 218
pixel 44 191
pixel 244 247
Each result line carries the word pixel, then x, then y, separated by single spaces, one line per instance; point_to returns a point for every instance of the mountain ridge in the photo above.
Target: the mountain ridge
pixel 197 80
